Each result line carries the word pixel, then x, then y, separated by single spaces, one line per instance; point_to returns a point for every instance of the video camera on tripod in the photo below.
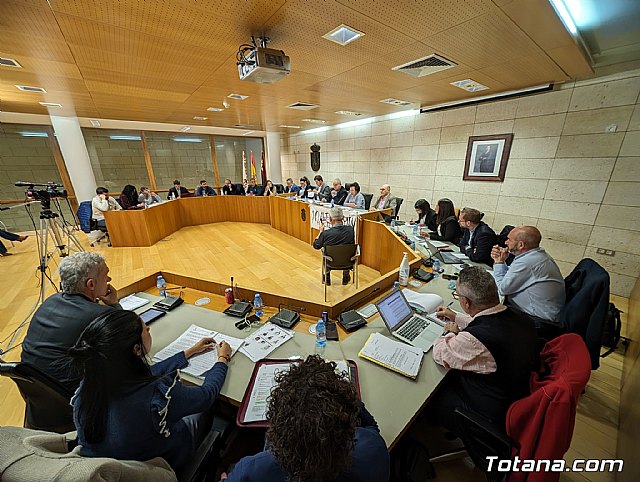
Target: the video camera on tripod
pixel 51 191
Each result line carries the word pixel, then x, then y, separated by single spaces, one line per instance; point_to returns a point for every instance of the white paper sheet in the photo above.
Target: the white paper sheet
pixel 132 302
pixel 265 340
pixel 198 364
pixel 262 386
pixel 426 302
pixel 439 244
pixel 395 355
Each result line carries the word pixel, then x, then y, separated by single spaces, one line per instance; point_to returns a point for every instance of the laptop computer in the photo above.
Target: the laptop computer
pixel 444 256
pixel 404 324
pixel 387 218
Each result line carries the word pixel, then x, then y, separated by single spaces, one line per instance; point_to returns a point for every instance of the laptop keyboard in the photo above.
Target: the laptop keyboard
pixel 412 328
pixel 449 258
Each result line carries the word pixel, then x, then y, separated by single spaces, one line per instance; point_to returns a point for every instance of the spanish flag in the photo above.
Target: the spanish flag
pixel 253 165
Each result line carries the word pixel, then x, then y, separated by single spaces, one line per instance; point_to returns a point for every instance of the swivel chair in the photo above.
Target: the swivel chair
pixel 88 224
pixel 367 200
pixel 340 257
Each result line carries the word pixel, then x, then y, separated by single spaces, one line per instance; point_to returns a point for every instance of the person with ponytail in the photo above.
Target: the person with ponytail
pixel 126 409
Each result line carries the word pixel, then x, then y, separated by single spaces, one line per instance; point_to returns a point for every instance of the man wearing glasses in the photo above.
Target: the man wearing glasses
pixel 385 200
pixel 491 351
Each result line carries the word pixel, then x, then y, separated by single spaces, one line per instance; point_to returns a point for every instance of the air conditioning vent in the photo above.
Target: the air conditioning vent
pixel 28 88
pixel 4 62
pixel 302 106
pixel 425 66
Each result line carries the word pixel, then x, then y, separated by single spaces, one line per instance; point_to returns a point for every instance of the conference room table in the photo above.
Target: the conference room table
pixel 393 399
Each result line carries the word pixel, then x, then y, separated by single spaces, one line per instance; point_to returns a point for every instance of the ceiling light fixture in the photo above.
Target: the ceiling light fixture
pixel 343 35
pixel 6 62
pixel 315 121
pixel 215 109
pixel 565 16
pixel 185 129
pixel 95 122
pixel 289 127
pixel 187 139
pixel 29 88
pixel 237 96
pixel 469 85
pixel 125 138
pixel 49 104
pixel 248 132
pixel 348 112
pixel 34 134
pixel 200 118
pixel 397 102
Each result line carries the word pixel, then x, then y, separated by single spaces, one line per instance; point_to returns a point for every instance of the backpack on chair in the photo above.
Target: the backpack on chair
pixel 611 332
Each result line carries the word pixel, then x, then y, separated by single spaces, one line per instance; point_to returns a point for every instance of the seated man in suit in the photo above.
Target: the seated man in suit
pixel 230 189
pixel 385 200
pixel 177 190
pixel 204 190
pixel 339 233
pixel 322 190
pixel 478 239
pixel 291 187
pixel 532 283
pixel 57 324
pixel 318 430
pixel 101 203
pixel 490 351
pixel 338 193
pixel 253 189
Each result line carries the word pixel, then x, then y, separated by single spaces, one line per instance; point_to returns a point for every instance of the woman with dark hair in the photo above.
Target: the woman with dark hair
pixel 305 188
pixel 426 215
pixel 269 189
pixel 355 199
pixel 129 198
pixel 448 228
pixel 318 430
pixel 126 409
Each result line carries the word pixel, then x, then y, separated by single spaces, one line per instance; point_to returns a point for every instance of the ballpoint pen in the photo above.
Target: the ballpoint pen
pixel 447 331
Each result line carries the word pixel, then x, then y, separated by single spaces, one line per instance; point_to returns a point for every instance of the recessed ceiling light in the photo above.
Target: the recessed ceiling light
pixel 237 96
pixel 5 62
pixel 125 138
pixel 469 85
pixel 200 118
pixel 28 88
pixel 315 121
pixel 245 126
pixel 348 112
pixel 396 102
pixel 187 139
pixel 290 127
pixel 95 122
pixel 215 109
pixel 49 104
pixel 302 106
pixel 185 129
pixel 343 35
pixel 34 134
pixel 248 132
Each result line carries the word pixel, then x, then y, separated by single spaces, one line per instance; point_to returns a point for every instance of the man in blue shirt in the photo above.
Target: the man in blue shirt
pixel 532 283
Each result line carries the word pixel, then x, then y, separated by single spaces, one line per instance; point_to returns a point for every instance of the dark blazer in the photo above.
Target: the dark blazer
pixel 484 239
pixel 125 202
pixel 585 312
pixel 429 220
pixel 208 189
pixel 183 190
pixel 340 196
pixel 54 328
pixel 232 190
pixel 450 229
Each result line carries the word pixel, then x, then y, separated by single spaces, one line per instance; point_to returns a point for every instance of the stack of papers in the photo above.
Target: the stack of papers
pixel 198 364
pixel 394 355
pixel 439 244
pixel 132 302
pixel 426 302
pixel 258 345
pixel 368 311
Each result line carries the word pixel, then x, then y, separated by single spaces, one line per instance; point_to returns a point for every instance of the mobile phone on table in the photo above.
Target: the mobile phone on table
pixel 449 276
pixel 332 331
pixel 151 315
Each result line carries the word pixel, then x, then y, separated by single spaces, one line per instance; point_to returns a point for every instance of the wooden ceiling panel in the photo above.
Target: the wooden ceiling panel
pixel 168 60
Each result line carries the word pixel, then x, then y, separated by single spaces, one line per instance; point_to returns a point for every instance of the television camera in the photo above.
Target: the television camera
pixel 51 190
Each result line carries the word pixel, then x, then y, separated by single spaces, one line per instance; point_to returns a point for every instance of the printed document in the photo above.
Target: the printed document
pixel 198 364
pixel 265 340
pixel 394 355
pixel 262 386
pixel 132 302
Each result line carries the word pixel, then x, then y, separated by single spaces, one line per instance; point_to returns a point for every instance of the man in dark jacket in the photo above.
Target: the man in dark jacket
pixel 57 324
pixel 339 233
pixel 478 238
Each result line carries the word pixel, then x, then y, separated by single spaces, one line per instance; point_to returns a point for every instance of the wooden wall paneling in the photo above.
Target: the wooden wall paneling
pixel 128 228
pixel 382 250
pixel 195 211
pixel 147 161
pixel 286 217
pixel 214 157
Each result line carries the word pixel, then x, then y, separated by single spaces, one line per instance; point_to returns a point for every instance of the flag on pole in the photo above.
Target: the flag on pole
pixel 263 169
pixel 253 165
pixel 244 171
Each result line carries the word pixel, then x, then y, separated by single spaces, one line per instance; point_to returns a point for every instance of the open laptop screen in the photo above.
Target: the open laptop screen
pixel 393 309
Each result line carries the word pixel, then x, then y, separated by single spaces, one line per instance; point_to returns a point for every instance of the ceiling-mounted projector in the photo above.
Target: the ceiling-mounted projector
pixel 257 63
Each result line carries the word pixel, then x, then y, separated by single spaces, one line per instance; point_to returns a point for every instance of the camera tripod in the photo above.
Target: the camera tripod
pixel 50 225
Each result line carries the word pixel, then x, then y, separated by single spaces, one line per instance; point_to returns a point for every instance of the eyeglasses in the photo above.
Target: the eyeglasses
pixel 456 295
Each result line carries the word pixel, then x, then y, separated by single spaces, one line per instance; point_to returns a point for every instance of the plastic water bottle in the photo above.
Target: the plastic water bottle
pixel 403 277
pixel 332 203
pixel 396 285
pixel 258 304
pixel 321 336
pixel 161 284
pixel 415 230
pixel 436 268
pixel 393 224
pixel 413 245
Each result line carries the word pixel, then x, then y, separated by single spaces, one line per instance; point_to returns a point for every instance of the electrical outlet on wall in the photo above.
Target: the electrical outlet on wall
pixel 606 252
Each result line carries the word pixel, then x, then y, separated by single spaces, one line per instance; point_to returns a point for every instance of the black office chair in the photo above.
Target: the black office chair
pixel 367 200
pixel 399 202
pixel 340 257
pixel 47 400
pixel 88 224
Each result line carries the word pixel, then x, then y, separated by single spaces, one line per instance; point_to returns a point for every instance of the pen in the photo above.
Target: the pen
pixel 447 332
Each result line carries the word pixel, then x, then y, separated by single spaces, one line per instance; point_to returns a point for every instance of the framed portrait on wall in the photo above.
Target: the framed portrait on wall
pixel 487 157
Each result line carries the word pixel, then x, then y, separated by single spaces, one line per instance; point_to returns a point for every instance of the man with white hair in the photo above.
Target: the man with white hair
pixel 385 200
pixel 57 324
pixel 339 233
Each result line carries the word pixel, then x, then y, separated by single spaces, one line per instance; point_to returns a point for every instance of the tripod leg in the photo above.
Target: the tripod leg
pixel 58 237
pixel 71 239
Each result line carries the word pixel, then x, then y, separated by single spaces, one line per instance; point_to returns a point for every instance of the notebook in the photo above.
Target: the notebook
pixel 404 324
pixel 391 354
